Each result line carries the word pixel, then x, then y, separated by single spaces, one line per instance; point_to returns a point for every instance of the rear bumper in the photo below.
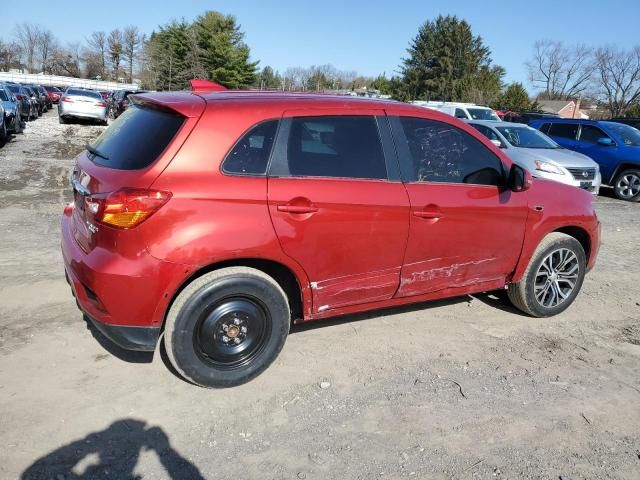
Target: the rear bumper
pixel 125 297
pixel 97 114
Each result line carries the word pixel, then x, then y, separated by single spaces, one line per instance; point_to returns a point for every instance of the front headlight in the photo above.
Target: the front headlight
pixel 548 167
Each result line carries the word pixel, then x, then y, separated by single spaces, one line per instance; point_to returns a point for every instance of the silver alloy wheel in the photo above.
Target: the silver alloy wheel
pixel 556 277
pixel 628 185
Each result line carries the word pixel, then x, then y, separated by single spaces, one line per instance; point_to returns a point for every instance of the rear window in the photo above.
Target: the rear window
pixel 137 138
pixel 3 95
pixel 84 93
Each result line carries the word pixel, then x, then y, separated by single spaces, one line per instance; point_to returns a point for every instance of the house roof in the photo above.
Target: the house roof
pixel 553 106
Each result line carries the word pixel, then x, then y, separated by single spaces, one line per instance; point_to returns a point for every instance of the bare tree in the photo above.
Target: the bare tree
pixel 132 39
pixel 46 43
pixel 618 77
pixel 98 43
pixel 114 43
pixel 561 72
pixel 9 55
pixel 27 35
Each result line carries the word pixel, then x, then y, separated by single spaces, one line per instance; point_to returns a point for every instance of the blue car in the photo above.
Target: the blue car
pixel 614 146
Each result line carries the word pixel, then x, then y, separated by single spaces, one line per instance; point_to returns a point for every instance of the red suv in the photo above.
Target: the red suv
pixel 217 219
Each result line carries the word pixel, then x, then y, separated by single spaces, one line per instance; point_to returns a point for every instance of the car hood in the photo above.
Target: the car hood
pixel 561 156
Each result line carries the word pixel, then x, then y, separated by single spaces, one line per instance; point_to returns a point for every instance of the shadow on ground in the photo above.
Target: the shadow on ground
pixel 112 453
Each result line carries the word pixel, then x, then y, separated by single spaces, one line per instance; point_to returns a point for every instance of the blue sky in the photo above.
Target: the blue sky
pixel 368 36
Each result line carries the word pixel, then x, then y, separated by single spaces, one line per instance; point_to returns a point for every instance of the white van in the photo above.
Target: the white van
pixel 467 111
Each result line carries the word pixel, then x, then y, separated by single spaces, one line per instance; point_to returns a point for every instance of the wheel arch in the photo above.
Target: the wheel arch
pixel 579 233
pixel 621 167
pixel 293 286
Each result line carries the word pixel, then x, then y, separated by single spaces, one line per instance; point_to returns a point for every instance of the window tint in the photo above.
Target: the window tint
pixel 342 147
pixel 545 128
pixel 564 130
pixel 3 95
pixel 443 153
pixel 137 138
pixel 460 113
pixel 251 154
pixel 591 134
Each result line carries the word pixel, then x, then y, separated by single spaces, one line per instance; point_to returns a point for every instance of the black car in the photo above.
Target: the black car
pixel 44 101
pixel 527 117
pixel 119 101
pixel 23 97
pixel 633 122
pixel 36 105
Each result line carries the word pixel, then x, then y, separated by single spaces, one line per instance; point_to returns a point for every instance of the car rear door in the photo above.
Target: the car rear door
pixel 466 228
pixel 565 134
pixel 338 205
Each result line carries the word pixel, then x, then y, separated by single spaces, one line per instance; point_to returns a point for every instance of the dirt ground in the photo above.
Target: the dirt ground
pixel 458 389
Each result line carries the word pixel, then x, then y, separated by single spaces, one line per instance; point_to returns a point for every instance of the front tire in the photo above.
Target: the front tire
pixel 626 185
pixel 226 327
pixel 553 277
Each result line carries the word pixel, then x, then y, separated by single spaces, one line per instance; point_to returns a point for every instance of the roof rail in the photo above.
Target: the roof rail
pixel 205 86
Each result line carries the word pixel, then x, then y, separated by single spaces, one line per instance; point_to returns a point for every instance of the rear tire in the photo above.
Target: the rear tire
pixel 226 327
pixel 62 120
pixel 553 277
pixel 626 185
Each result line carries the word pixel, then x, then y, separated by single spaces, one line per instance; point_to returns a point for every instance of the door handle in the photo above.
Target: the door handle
pixel 297 208
pixel 425 214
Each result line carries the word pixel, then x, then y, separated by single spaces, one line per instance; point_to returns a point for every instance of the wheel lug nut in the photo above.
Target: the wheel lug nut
pixel 237 321
pixel 243 329
pixel 225 339
pixel 225 327
pixel 236 340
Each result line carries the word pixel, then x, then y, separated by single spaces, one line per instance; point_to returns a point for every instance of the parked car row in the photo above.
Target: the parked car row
pixel 582 153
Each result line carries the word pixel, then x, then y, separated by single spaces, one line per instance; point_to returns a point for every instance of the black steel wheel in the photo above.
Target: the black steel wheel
pixel 226 327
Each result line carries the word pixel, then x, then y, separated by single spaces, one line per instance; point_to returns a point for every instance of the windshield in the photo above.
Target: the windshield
pixel 483 114
pixel 630 136
pixel 83 93
pixel 525 137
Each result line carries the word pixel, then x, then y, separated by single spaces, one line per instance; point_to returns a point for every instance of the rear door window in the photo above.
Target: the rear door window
pixel 564 130
pixel 460 113
pixel 137 138
pixel 250 155
pixel 334 146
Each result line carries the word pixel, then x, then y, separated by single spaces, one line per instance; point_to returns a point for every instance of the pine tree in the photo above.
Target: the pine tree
pixel 447 62
pixel 514 98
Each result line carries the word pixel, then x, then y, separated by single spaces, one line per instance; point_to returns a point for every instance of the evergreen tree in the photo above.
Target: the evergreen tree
pixel 515 98
pixel 222 52
pixel 212 48
pixel 447 62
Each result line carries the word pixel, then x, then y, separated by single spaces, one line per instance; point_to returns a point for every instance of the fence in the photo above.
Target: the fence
pixel 59 81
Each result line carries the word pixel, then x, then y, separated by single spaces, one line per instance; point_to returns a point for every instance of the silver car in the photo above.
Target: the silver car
pixel 543 157
pixel 80 103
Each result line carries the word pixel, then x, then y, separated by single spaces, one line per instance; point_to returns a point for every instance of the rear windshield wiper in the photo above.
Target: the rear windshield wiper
pixel 95 151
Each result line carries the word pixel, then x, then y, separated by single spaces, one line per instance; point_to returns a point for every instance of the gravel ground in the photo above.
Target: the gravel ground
pixel 463 388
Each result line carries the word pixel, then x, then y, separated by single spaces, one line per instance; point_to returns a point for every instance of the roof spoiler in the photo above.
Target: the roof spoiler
pixel 202 86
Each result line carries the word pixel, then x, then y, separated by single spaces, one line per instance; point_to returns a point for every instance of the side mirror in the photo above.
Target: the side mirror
pixel 519 179
pixel 497 143
pixel 606 142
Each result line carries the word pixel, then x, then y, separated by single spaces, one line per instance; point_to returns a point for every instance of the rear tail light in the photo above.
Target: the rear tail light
pixel 20 97
pixel 101 104
pixel 123 104
pixel 125 208
pixel 67 99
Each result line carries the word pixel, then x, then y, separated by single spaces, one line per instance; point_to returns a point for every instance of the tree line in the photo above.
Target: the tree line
pixel 445 61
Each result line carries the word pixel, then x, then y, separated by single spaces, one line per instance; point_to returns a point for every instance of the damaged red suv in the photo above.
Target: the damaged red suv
pixel 215 220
